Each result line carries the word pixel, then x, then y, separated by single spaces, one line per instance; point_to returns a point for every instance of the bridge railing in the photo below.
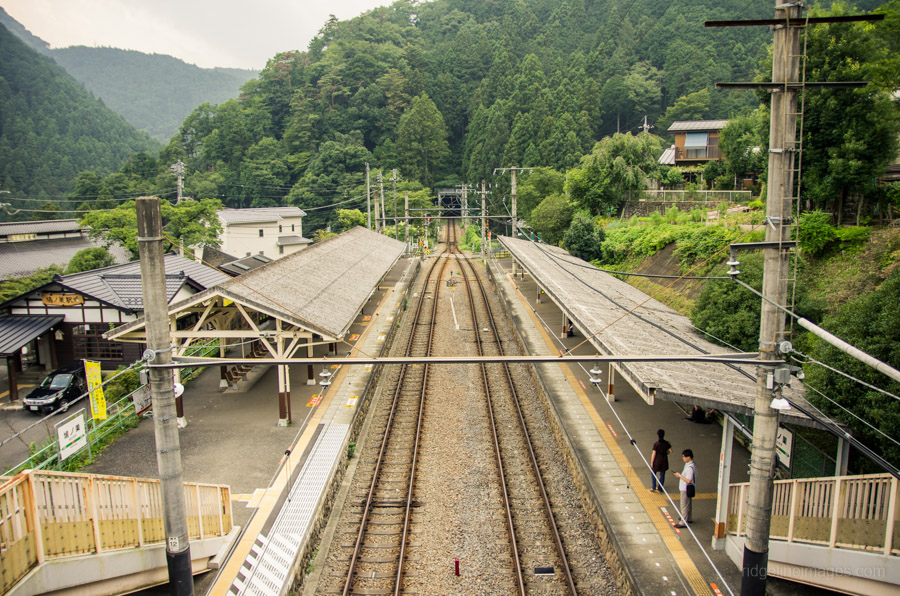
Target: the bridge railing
pixel 853 512
pixel 46 515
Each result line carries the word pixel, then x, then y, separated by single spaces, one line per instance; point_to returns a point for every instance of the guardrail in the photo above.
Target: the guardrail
pixel 704 196
pixel 852 512
pixel 47 515
pixel 47 456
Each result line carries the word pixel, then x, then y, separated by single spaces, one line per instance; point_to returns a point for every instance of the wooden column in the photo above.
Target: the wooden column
pixel 310 373
pixel 11 374
pixel 719 538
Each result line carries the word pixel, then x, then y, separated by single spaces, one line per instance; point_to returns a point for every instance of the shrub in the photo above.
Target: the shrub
pixel 816 232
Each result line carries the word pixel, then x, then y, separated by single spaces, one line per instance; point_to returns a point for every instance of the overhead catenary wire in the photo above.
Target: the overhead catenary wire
pixel 876 429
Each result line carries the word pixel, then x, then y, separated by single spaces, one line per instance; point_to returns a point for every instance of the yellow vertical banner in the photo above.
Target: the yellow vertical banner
pixel 95 381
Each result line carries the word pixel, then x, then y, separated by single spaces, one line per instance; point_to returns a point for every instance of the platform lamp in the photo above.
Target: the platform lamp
pixel 595 374
pixel 326 377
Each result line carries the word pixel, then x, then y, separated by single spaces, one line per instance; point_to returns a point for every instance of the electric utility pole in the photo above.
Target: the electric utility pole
pixel 406 217
pixel 779 193
pixel 162 393
pixel 381 198
pixel 782 194
pixel 483 219
pixel 465 200
pixel 394 180
pixel 368 200
pixel 515 215
pixel 178 168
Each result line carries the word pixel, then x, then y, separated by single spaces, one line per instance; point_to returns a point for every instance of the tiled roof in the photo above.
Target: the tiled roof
pixel 20 259
pixel 241 266
pixel 291 240
pixel 39 227
pixel 260 214
pixel 321 288
pixel 697 125
pixel 17 330
pixel 215 257
pixel 105 284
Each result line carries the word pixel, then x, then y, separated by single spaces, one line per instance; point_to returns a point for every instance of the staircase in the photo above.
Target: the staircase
pixel 68 532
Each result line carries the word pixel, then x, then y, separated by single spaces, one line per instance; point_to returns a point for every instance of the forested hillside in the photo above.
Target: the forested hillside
pixel 153 92
pixel 51 128
pixel 447 91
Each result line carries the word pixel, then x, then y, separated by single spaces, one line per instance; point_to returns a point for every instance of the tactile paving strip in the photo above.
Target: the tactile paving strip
pixel 267 566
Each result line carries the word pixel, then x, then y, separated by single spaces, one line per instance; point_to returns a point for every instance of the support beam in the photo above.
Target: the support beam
pixel 611 385
pixel 719 534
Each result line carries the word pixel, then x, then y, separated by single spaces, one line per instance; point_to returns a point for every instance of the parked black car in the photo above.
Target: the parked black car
pixel 59 389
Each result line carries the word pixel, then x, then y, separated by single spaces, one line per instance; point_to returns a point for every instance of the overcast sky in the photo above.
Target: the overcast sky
pixel 232 33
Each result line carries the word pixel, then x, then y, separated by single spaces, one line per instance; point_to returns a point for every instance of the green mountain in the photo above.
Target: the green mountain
pixel 447 91
pixel 154 92
pixel 51 128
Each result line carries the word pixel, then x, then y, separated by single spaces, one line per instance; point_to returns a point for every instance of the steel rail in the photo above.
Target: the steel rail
pixel 498 452
pixel 570 581
pixel 367 508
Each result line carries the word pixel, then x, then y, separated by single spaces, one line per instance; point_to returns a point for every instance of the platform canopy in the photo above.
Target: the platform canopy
pixel 319 291
pixel 598 304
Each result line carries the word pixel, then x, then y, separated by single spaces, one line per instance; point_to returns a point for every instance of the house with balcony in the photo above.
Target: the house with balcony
pixel 696 142
pixel 272 232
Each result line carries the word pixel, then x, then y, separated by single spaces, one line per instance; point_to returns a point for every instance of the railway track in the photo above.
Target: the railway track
pixel 534 537
pixel 376 563
pixel 483 497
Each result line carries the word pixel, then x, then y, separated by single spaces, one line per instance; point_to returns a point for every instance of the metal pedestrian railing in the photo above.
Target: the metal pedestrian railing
pixel 47 515
pixel 846 512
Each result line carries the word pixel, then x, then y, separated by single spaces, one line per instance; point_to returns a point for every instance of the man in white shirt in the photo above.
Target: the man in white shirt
pixel 688 476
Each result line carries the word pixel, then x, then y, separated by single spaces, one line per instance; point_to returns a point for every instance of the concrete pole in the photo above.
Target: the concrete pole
pixel 381 197
pixel 368 200
pixel 406 217
pixel 782 142
pixel 162 393
pixel 465 199
pixel 515 215
pixel 394 180
pixel 483 220
pixel 719 537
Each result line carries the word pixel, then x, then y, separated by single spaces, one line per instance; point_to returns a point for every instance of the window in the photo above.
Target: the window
pixel 279 227
pixel 280 250
pixel 260 233
pixel 292 227
pixel 89 343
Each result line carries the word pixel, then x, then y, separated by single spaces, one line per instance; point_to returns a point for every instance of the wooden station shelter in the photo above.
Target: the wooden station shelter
pixel 284 307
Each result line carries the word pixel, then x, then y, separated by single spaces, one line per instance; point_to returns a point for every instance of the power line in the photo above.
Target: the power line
pixel 805 384
pixel 812 360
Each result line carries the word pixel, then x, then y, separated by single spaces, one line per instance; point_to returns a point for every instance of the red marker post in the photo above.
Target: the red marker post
pixel 457 566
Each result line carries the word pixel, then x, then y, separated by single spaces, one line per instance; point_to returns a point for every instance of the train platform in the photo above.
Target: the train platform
pixel 231 438
pixel 612 443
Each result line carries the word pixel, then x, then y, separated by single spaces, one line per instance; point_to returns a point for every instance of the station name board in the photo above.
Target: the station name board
pixel 49 299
